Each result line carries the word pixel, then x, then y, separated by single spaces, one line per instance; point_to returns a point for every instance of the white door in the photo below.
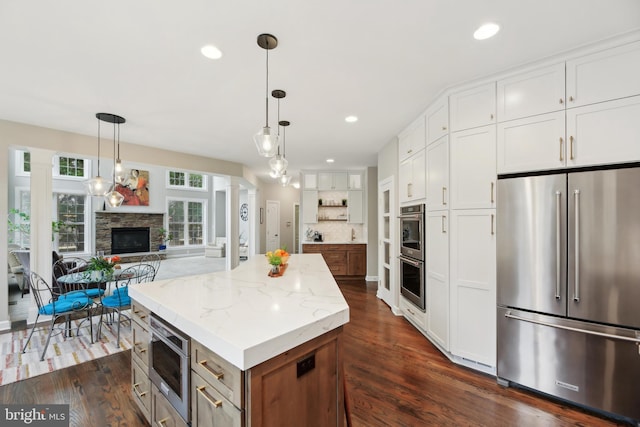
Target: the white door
pixel 387 258
pixel 273 225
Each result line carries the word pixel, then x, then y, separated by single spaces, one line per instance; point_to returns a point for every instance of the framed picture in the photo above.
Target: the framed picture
pixel 135 188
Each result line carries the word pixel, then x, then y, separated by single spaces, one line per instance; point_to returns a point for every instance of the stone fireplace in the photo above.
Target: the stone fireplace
pixel 107 220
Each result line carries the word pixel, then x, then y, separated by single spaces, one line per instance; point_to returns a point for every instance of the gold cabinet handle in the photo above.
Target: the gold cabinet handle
pixel 444 201
pixel 139 393
pixel 215 403
pixel 492 187
pixel 442 224
pixel 571 147
pixel 139 349
pixel 218 375
pixel 409 190
pixel 491 116
pixel 561 150
pixel 162 422
pixel 444 128
pixel 492 222
pixel 571 98
pixel 561 101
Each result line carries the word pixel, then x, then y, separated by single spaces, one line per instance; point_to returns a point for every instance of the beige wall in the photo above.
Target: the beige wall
pixel 372 222
pixel 287 196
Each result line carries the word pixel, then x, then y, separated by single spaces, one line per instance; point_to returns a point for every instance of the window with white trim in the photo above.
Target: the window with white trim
pixel 186 180
pixel 63 166
pixel 186 222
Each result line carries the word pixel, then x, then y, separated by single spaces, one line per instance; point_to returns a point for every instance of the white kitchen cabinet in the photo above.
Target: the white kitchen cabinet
pixel 533 92
pixel 309 181
pixel 602 76
pixel 608 132
pixel 412 178
pixel 438 175
pixel 473 168
pixel 437 119
pixel 356 180
pixel 473 285
pixel 332 181
pixel 309 206
pixel 411 140
pixel 437 276
pixel 473 107
pixel 532 143
pixel 413 313
pixel 355 203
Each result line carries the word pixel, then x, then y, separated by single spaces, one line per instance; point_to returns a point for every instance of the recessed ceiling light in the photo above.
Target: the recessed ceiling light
pixel 211 52
pixel 486 31
pixel 351 119
pixel 330 160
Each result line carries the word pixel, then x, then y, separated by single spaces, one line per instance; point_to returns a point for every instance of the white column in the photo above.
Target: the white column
pixel 254 222
pixel 5 322
pixel 41 214
pixel 233 223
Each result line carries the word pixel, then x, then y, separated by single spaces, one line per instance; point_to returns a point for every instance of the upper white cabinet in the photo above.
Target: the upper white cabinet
pixel 608 132
pixel 473 107
pixel 356 180
pixel 437 119
pixel 532 143
pixel 534 92
pixel 411 140
pixel 309 180
pixel 412 176
pixel 309 206
pixel 609 74
pixel 438 175
pixel 473 168
pixel 332 181
pixel 355 202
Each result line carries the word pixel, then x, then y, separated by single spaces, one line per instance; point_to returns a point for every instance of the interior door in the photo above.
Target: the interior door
pixel 387 285
pixel 273 225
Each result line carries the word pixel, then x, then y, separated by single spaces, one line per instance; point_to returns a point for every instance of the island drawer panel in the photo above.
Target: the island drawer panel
pixel 140 347
pixel 162 413
pixel 139 313
pixel 141 388
pixel 227 379
pixel 210 408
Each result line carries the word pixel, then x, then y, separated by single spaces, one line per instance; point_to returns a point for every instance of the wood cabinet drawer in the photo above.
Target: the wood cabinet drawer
pixel 141 388
pixel 162 413
pixel 210 408
pixel 222 375
pixel 139 313
pixel 140 347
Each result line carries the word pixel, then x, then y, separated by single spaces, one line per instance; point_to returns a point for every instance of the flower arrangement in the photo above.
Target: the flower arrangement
pixel 104 264
pixel 278 257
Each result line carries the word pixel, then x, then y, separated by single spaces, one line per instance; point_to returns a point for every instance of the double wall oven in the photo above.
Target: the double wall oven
pixel 412 254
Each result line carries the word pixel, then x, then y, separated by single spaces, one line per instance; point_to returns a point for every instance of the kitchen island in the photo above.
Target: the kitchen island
pixel 264 351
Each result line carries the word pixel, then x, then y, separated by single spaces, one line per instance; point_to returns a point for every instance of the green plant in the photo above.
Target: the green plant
pixel 165 236
pixel 22 224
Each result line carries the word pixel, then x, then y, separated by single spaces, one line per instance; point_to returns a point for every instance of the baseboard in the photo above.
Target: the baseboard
pixel 371 278
pixel 5 325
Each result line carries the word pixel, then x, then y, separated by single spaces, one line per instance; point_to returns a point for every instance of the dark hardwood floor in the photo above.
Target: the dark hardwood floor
pixel 394 377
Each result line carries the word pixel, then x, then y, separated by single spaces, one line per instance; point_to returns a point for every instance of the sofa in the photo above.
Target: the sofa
pixel 216 249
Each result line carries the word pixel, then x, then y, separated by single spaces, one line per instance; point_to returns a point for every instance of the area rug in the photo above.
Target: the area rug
pixel 61 353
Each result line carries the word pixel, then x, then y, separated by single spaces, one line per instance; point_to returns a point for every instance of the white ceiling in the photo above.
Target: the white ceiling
pixel 383 60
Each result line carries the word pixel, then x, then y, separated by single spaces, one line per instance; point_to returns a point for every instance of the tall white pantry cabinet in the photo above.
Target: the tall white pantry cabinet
pixel 576 111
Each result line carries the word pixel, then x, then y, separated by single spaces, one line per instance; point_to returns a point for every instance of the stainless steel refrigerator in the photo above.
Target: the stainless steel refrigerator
pixel 568 295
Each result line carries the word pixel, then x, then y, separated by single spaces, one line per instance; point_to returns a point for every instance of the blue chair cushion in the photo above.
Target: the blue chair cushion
pixel 115 301
pixel 91 293
pixel 65 305
pixel 124 290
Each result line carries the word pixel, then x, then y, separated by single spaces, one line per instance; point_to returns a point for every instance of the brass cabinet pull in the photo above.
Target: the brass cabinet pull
pixel 140 349
pixel 561 150
pixel 492 186
pixel 215 403
pixel 561 101
pixel 571 147
pixel 444 128
pixel 444 189
pixel 491 116
pixel 410 151
pixel 139 393
pixel 162 422
pixel 218 375
pixel 571 98
pixel 492 227
pixel 442 224
pixel 409 190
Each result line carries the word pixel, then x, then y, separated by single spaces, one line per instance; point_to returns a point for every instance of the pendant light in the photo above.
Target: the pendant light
pixel 97 186
pixel 113 198
pixel 118 172
pixel 266 142
pixel 284 178
pixel 278 163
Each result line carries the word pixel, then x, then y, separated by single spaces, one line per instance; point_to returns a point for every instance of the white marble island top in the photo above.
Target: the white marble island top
pixel 245 316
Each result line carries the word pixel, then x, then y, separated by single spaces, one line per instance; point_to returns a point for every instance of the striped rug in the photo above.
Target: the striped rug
pixel 61 353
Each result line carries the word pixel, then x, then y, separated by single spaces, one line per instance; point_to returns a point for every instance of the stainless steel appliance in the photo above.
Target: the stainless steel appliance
pixel 412 254
pixel 169 364
pixel 569 286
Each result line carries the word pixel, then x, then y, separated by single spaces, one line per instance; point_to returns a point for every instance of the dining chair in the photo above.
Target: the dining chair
pixel 153 260
pixel 65 266
pixel 52 303
pixel 119 299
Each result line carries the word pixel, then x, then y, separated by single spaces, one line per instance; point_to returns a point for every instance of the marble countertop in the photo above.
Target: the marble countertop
pixel 245 316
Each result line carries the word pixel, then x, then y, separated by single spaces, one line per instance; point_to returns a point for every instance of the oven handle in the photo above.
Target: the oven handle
pixel 159 331
pixel 410 261
pixel 411 216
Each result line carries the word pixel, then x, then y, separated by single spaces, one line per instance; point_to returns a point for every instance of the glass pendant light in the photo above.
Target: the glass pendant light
pixel 119 174
pixel 266 142
pixel 113 198
pixel 284 178
pixel 97 186
pixel 278 163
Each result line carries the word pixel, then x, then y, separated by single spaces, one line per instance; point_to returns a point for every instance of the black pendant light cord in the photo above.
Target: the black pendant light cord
pixel 98 174
pixel 266 97
pixel 118 141
pixel 114 155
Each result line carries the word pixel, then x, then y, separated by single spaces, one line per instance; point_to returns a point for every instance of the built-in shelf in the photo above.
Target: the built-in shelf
pixel 332 206
pixel 331 219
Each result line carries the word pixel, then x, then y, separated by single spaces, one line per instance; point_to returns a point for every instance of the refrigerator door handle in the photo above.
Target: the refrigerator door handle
pixel 558 242
pixel 576 283
pixel 569 328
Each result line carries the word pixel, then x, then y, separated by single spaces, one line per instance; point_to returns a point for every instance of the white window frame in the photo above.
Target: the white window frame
pixel 205 181
pixel 87 213
pixel 205 222
pixel 19 166
pixel 19 162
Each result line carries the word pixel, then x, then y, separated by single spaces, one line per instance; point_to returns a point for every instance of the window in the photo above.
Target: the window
pixel 186 222
pixel 186 180
pixel 70 209
pixel 69 167
pixel 26 162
